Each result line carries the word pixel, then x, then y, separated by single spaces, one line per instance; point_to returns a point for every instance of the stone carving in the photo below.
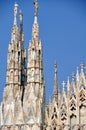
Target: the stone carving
pixel 23 106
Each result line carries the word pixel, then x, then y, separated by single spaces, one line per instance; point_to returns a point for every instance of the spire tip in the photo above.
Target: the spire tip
pixel 73 76
pixel 55 80
pixel 82 67
pixel 63 85
pixel 15 13
pixel 36 7
pixel 55 67
pixel 21 16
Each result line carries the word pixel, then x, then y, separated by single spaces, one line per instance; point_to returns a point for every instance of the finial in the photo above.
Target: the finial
pixel 15 13
pixel 77 74
pixel 63 85
pixel 55 79
pixel 68 83
pixel 82 67
pixel 55 67
pixel 73 76
pixel 36 7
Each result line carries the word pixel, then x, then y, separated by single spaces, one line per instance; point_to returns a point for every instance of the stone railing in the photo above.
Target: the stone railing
pixel 29 127
pixel 68 127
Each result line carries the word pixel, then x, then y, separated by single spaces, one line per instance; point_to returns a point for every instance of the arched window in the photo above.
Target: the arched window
pixel 82 114
pixel 63 116
pixel 73 106
pixel 54 109
pixel 82 96
pixel 33 54
pixel 72 120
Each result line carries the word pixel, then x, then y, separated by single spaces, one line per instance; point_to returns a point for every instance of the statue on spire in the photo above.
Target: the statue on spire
pixel 63 85
pixel 36 7
pixel 55 92
pixel 15 13
pixel 55 67
pixel 82 67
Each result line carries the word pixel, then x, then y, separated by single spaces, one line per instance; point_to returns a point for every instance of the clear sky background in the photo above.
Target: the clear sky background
pixel 62 31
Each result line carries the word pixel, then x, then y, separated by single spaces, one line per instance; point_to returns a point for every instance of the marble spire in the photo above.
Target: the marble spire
pixel 55 80
pixel 15 13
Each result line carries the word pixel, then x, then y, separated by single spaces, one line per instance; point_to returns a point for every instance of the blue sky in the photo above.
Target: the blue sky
pixel 62 31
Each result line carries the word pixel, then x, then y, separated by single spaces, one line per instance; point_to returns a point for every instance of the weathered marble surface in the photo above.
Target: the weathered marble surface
pixel 23 106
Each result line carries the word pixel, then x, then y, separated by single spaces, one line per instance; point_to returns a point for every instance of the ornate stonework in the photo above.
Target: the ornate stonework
pixel 67 111
pixel 23 105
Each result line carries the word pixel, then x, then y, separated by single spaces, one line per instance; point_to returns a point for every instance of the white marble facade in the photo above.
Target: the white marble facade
pixel 23 106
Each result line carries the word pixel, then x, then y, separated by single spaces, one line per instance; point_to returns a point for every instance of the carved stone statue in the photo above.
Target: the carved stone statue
pixel 36 7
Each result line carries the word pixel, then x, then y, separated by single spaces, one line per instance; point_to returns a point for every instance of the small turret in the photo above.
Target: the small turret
pixel 82 68
pixel 35 29
pixel 73 76
pixel 15 32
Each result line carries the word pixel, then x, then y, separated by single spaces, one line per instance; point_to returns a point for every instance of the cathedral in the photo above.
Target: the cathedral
pixel 23 106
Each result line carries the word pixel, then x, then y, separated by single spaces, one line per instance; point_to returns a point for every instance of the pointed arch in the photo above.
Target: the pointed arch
pixel 64 98
pixel 54 124
pixel 63 106
pixel 73 96
pixel 72 89
pixel 73 120
pixel 82 96
pixel 72 106
pixel 54 116
pixel 63 113
pixel 82 87
pixel 82 82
